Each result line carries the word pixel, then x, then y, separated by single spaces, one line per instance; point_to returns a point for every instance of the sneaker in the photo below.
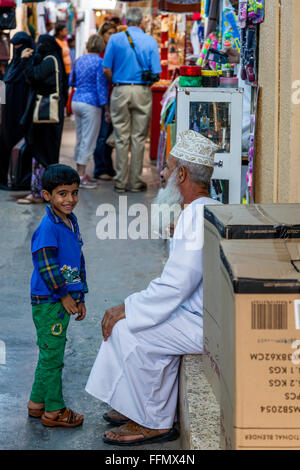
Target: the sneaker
pixel 104 178
pixel 84 183
pixel 120 190
pixel 90 179
pixel 139 189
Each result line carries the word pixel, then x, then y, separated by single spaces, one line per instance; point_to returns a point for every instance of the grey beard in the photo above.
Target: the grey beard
pixel 167 208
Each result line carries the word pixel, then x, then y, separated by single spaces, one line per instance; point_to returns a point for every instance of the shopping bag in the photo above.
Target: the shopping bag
pixel 69 102
pixel 46 109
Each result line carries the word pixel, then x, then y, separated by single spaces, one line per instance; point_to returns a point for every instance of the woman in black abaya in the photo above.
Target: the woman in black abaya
pixel 17 92
pixel 44 139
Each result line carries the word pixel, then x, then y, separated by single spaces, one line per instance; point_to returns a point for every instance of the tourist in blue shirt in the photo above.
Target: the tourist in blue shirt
pixel 58 288
pixel 131 100
pixel 90 98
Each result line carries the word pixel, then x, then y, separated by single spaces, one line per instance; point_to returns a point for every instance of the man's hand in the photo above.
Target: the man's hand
pixel 108 73
pixel 69 304
pixel 107 114
pixel 111 317
pixel 81 311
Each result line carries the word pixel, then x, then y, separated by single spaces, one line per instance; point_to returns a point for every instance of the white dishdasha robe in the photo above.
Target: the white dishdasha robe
pixel 136 370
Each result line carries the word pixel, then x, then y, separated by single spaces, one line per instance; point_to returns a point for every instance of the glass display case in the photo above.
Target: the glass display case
pixel 217 113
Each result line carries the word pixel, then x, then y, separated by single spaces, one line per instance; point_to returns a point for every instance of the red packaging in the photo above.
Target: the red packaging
pixel 164 53
pixel 190 71
pixel 7 4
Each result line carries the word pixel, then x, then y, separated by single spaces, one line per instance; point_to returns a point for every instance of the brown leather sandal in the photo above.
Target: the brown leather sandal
pixel 134 429
pixel 114 417
pixel 66 418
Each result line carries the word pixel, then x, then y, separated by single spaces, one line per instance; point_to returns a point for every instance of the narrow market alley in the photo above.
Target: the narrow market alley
pixel 115 269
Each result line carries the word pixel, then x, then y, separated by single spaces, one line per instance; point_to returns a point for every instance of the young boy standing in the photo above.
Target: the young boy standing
pixel 58 287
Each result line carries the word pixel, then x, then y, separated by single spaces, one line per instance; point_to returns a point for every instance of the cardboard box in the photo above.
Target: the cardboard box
pixel 260 357
pixel 273 221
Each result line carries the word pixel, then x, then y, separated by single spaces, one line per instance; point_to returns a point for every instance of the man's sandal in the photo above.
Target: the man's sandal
pixel 36 413
pixel 134 429
pixel 113 417
pixel 65 418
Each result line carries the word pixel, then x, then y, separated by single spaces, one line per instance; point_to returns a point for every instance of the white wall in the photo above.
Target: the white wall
pixel 88 27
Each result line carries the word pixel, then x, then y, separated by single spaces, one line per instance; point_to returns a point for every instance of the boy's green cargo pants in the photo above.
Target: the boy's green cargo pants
pixel 51 322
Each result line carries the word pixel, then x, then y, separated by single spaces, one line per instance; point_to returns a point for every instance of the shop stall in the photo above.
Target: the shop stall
pixel 172 25
pixel 217 92
pixel 217 114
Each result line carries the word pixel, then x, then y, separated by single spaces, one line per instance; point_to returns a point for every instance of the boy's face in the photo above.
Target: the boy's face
pixel 63 199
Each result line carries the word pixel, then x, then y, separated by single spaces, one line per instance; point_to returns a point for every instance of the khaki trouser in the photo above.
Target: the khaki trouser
pixel 130 109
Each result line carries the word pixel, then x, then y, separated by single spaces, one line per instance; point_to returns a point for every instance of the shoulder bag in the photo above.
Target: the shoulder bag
pixel 147 75
pixel 46 110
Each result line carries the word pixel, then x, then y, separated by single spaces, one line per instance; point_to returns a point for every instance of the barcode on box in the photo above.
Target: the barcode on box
pixel 269 316
pixel 297 314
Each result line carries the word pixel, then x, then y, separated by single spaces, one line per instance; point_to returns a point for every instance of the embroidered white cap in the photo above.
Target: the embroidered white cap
pixel 195 148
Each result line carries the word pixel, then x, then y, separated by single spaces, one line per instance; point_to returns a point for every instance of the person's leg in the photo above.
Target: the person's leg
pixel 51 322
pixel 91 123
pixel 137 373
pixel 102 155
pixel 108 149
pixel 78 125
pixel 141 106
pixel 121 120
pixel 36 181
pixel 35 196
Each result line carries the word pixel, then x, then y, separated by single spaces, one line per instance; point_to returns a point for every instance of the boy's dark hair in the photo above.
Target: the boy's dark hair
pixel 59 175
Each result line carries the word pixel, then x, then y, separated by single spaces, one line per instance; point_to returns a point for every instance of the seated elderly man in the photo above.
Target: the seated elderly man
pixel 136 370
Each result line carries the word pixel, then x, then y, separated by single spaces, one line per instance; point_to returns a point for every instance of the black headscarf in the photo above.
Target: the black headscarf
pixel 14 72
pixel 47 45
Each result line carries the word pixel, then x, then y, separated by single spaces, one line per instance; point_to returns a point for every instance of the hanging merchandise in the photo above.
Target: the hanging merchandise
pixel 231 32
pixel 4 47
pixel 251 13
pixel 197 34
pixel 41 17
pixel 7 4
pixel 204 51
pixel 8 18
pixel 251 153
pixel 213 16
pixel 72 17
pixel 256 11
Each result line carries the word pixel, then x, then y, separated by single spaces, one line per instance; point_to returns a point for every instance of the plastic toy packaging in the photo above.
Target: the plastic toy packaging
pixel 256 11
pixel 231 31
pixel 251 13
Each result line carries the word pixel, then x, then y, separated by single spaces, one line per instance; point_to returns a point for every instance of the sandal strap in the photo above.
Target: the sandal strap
pixel 68 415
pixel 71 417
pixel 113 414
pixel 134 429
pixel 129 429
pixel 60 414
